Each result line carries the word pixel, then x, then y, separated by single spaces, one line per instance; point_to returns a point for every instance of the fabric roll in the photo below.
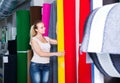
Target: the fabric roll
pixel 87 30
pixel 110 69
pixel 96 62
pixel 97 32
pixel 52 34
pixel 60 39
pixel 84 68
pixel 109 43
pixel 115 59
pixel 21 67
pixel 46 17
pixel 23 29
pixel 70 41
pixel 35 14
pixel 111 79
pixel 97 76
pixel 107 64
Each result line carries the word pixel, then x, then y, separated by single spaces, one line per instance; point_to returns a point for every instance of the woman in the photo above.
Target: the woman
pixel 39 66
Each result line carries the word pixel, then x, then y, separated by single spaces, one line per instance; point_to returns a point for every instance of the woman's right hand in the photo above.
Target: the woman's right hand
pixel 60 54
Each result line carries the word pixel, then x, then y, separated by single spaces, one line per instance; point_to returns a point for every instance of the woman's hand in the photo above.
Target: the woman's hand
pixel 60 54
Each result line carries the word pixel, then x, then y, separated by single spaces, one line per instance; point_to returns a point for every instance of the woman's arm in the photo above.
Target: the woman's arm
pixel 37 49
pixel 53 41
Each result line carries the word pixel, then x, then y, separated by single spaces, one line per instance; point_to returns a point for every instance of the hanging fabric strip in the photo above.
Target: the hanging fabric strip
pixel 60 38
pixel 46 16
pixel 52 34
pixel 23 29
pixel 84 68
pixel 35 14
pixel 69 38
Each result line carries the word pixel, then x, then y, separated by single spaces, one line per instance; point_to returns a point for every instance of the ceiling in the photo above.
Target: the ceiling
pixel 8 6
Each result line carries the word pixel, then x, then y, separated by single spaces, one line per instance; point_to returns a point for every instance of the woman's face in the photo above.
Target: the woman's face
pixel 40 28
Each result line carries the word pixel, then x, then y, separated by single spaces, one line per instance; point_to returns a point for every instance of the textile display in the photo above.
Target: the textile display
pixel 107 63
pixel 107 44
pixel 84 68
pixel 110 79
pixel 103 41
pixel 69 41
pixel 46 17
pixel 97 76
pixel 60 39
pixel 52 34
pixel 23 29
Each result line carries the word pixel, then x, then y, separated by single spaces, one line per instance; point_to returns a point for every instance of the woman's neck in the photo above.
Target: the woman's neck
pixel 39 36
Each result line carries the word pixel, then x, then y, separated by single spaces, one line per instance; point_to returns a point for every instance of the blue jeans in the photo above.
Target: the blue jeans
pixel 39 73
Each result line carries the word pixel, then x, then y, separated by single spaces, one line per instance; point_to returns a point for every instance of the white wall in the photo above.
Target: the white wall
pixel 49 1
pixel 40 2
